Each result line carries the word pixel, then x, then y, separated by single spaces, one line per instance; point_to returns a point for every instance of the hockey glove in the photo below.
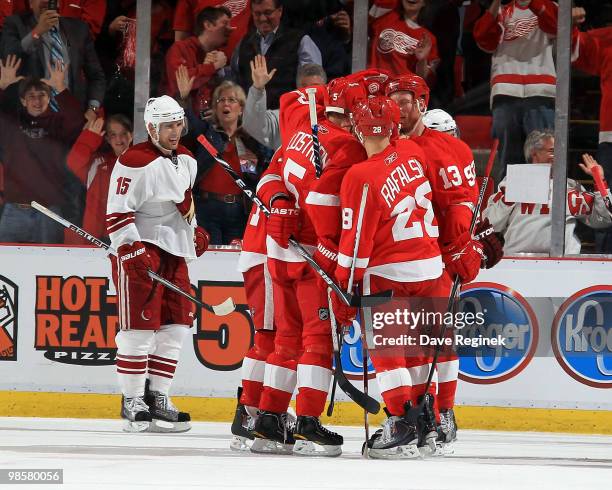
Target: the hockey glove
pixel 326 256
pixel 134 259
pixel 201 239
pixel 344 314
pixel 463 257
pixel 187 207
pixel 492 243
pixel 283 221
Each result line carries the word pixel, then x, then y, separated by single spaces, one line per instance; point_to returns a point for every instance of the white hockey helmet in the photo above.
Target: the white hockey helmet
pixel 440 120
pixel 160 110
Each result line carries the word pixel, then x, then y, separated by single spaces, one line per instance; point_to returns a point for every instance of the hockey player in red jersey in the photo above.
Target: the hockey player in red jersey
pixel 453 177
pixel 258 287
pixel 303 349
pixel 397 249
pixel 150 221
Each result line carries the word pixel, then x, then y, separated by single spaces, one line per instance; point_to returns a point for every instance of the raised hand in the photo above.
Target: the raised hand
pixel 48 20
pixel 8 71
pixel 96 126
pixel 259 72
pixel 423 48
pixel 184 82
pixel 589 165
pixel 57 73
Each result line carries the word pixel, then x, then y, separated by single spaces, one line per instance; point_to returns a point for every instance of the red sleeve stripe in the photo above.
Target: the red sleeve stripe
pixel 163 359
pixel 131 364
pixel 159 373
pixel 117 221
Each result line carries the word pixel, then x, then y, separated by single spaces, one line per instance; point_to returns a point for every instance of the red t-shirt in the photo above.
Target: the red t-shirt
pixel 393 41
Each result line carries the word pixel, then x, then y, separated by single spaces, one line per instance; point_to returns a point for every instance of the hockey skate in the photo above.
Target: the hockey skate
pixel 447 431
pixel 397 440
pixel 165 416
pixel 242 427
pixel 427 430
pixel 273 433
pixel 136 414
pixel 308 430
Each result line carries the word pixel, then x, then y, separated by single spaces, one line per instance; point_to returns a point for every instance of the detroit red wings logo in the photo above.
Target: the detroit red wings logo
pixel 235 6
pixel 520 28
pixel 392 40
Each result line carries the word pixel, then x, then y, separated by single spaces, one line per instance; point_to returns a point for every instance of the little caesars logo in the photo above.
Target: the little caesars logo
pixel 8 320
pixel 76 320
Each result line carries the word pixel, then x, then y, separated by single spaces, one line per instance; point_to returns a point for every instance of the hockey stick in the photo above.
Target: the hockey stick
pixel 368 403
pixel 312 107
pixel 338 344
pixel 348 298
pixel 457 281
pixel 221 309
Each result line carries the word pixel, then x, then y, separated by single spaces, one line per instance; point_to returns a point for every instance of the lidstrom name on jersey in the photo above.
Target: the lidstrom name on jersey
pixel 399 178
pixel 302 142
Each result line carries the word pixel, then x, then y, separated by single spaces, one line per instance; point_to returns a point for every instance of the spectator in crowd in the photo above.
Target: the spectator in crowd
pixel 35 140
pixel 284 49
pixel 527 227
pixel 521 36
pixel 42 38
pixel 398 43
pixel 11 7
pixel 186 12
pixel 218 200
pixel 201 55
pixel 91 12
pixel 477 63
pixel 595 58
pixel 94 167
pixel 259 121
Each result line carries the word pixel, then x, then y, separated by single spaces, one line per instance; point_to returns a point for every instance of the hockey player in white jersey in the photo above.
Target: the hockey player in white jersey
pixel 151 224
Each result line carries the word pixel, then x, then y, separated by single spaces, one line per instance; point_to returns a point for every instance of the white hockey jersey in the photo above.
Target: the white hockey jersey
pixel 145 188
pixel 527 227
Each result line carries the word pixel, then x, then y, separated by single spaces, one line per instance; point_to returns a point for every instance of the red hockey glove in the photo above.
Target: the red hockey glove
pixel 201 239
pixel 344 314
pixel 134 259
pixel 187 207
pixel 326 255
pixel 492 243
pixel 283 221
pixel 463 257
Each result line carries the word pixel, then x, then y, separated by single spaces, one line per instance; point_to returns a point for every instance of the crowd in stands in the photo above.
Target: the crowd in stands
pixel 67 75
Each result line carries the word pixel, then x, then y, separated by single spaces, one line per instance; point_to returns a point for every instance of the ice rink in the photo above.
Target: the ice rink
pixel 96 454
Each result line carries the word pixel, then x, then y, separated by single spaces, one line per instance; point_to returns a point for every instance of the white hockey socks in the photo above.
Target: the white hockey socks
pixel 164 356
pixel 133 348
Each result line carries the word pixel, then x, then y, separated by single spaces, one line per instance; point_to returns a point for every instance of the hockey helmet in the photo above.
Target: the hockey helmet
pixel 342 95
pixel 440 120
pixel 160 110
pixel 376 116
pixel 410 83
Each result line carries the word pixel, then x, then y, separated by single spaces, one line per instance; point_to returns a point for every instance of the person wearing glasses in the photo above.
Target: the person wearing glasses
pixel 218 201
pixel 284 48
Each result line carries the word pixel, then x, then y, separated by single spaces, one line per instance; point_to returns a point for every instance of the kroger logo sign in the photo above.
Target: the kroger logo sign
pixel 507 317
pixel 582 336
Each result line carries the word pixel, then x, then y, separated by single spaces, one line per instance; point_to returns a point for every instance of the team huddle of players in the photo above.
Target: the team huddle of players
pixel 408 231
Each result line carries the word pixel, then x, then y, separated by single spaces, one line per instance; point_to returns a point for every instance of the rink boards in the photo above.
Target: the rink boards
pixel 58 319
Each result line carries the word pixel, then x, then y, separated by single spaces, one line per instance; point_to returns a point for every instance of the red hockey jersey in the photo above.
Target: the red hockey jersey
pixel 399 234
pixel 452 174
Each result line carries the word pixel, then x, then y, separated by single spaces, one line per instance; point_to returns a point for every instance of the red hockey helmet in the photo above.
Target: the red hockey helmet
pixel 410 83
pixel 376 116
pixel 343 94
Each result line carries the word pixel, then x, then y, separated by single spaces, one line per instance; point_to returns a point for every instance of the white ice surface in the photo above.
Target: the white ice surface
pixel 96 454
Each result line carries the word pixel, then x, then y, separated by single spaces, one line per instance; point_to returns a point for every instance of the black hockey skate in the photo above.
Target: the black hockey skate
pixel 273 433
pixel 242 426
pixel 426 425
pixel 166 417
pixel 447 431
pixel 397 440
pixel 136 414
pixel 309 430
